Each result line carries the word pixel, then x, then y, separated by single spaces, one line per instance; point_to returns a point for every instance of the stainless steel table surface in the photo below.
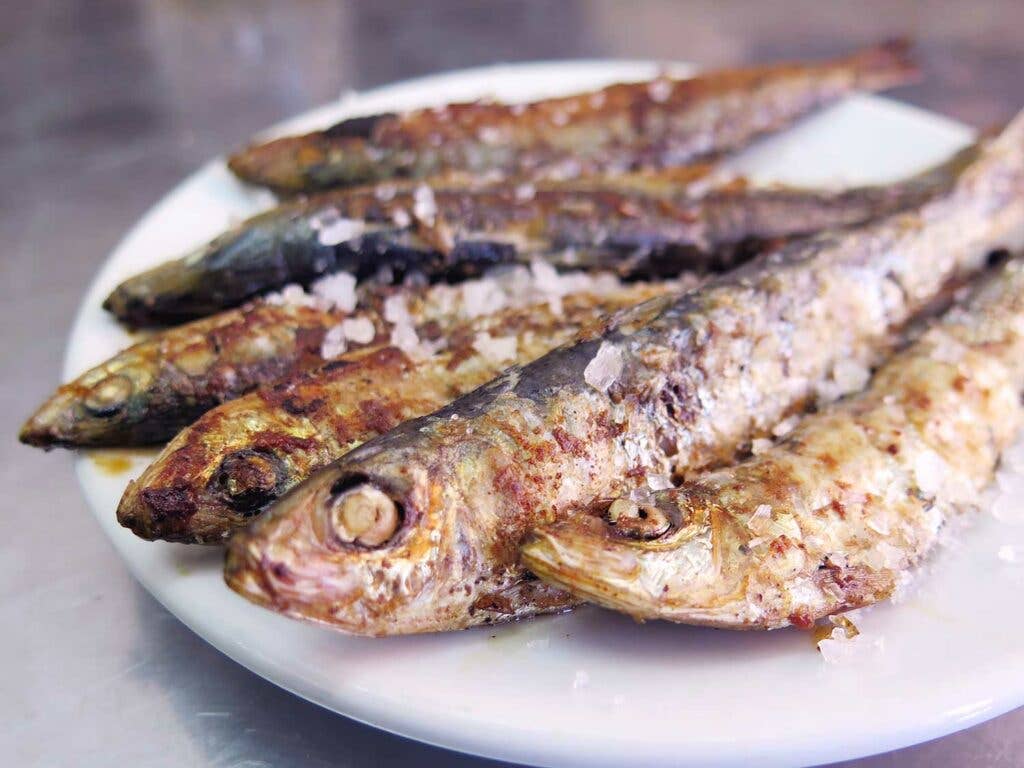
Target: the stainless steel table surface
pixel 105 105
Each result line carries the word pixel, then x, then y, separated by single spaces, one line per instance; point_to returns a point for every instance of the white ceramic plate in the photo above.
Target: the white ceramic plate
pixel 593 688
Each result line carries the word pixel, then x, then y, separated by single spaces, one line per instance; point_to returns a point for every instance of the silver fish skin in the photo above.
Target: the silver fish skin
pixel 836 515
pixel 667 388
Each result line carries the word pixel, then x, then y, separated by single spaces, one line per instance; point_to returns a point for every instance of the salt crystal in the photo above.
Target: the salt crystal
pixel 290 295
pixel 1008 554
pixel 482 297
pixel 339 289
pixel 605 368
pixel 659 482
pixel 385 192
pixel 340 231
pixel 929 471
pixel 525 192
pixel 786 426
pixel 496 350
pixel 424 205
pixel 489 134
pixel 546 277
pixel 849 375
pixel 659 90
pixel 333 343
pixel 763 512
pixel 396 311
pixel 837 648
pixel 759 445
pixel 405 338
pixel 358 329
pixel 401 218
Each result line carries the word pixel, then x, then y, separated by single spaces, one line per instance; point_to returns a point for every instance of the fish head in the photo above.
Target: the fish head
pixel 415 531
pixel 360 550
pixel 648 555
pixel 102 405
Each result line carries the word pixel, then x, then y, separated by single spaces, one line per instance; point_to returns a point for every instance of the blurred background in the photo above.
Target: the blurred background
pixel 108 103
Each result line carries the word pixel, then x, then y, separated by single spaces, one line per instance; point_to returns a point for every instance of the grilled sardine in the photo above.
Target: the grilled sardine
pixel 222 471
pixel 660 123
pixel 642 225
pixel 833 517
pixel 149 391
pixel 419 530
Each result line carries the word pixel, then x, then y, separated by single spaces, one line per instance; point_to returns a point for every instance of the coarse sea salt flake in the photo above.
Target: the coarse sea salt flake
pixel 358 329
pixel 929 471
pixel 334 343
pixel 786 426
pixel 401 217
pixel 496 350
pixel 659 90
pixel 339 231
pixel 339 289
pixel 396 311
pixel 606 366
pixel 424 205
pixel 837 648
pixel 762 512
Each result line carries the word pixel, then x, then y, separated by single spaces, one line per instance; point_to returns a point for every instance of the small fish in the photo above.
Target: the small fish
pixel 660 123
pixel 834 516
pixel 419 530
pixel 223 470
pixel 642 225
pixel 148 392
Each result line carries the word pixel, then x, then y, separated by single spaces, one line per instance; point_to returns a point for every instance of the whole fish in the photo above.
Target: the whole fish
pixel 149 391
pixel 223 470
pixel 644 225
pixel 833 517
pixel 419 530
pixel 660 123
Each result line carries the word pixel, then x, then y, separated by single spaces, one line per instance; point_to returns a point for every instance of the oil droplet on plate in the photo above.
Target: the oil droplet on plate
pixel 111 464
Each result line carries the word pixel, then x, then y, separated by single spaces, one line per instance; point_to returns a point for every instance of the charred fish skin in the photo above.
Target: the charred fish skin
pixel 146 393
pixel 640 226
pixel 833 517
pixel 225 469
pixel 669 387
pixel 660 123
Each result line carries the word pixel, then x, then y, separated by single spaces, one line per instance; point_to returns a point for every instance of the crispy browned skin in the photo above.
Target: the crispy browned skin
pixel 833 517
pixel 419 530
pixel 640 225
pixel 661 123
pixel 148 392
pixel 233 462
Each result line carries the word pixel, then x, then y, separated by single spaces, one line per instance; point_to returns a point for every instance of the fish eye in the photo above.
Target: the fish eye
pixel 108 396
pixel 249 479
pixel 360 513
pixel 637 521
